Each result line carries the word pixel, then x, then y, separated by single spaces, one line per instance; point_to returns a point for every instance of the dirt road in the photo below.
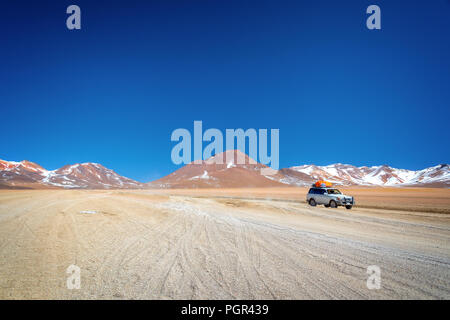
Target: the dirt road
pixel 150 245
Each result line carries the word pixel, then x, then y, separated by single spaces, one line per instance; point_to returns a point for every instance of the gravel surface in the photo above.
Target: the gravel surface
pixel 145 245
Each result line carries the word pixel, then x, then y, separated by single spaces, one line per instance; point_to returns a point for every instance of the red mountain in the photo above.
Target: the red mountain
pixel 231 173
pixel 27 174
pixel 230 169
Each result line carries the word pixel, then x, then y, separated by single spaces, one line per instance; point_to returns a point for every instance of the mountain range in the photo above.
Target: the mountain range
pixel 26 174
pixel 226 170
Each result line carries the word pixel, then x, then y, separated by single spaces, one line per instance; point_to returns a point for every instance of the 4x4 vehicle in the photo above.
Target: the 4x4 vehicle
pixel 329 197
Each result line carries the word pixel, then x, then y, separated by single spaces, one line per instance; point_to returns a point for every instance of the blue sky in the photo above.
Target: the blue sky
pixel 114 91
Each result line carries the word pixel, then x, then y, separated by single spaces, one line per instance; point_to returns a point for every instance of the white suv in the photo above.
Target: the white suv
pixel 329 197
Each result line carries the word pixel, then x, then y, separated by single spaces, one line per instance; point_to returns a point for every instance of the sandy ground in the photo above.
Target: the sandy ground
pixel 227 244
pixel 405 199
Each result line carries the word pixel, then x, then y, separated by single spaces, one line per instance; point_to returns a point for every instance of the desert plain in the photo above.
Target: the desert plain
pixel 261 243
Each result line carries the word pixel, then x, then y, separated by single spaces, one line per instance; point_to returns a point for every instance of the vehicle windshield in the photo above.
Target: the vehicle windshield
pixel 333 191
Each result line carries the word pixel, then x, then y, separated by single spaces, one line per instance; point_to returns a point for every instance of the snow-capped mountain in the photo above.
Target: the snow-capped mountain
pixel 26 174
pixel 209 174
pixel 230 169
pixel 224 171
pixel 344 174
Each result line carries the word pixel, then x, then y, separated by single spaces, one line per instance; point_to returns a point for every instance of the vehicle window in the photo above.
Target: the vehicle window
pixel 333 191
pixel 311 191
pixel 320 191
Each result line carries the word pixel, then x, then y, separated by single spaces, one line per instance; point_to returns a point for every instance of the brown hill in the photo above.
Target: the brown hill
pixel 230 169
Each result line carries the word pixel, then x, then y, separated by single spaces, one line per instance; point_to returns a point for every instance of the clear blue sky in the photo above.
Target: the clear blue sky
pixel 115 90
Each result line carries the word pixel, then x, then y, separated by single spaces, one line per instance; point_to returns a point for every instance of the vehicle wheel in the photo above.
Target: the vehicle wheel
pixel 333 204
pixel 348 207
pixel 312 202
